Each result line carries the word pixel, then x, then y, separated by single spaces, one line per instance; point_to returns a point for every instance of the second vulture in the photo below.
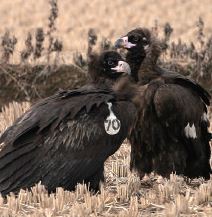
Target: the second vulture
pixel 171 134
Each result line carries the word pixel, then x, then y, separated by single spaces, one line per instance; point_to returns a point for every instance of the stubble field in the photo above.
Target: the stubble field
pixel 123 194
pixel 110 18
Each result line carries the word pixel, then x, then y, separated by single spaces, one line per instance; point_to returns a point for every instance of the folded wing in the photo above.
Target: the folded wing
pixel 62 140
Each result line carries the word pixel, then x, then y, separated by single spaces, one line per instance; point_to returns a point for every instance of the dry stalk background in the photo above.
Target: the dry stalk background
pixel 44 47
pixel 40 40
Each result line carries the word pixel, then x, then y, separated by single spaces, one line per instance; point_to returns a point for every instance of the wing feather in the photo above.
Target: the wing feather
pixel 188 82
pixel 61 141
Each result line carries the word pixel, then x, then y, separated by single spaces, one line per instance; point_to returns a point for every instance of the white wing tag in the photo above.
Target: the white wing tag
pixel 112 123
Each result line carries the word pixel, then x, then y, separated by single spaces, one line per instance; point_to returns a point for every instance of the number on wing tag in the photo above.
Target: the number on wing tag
pixel 112 123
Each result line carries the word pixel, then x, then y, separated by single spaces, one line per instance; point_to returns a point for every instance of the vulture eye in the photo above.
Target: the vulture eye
pixel 135 38
pixel 144 39
pixel 110 62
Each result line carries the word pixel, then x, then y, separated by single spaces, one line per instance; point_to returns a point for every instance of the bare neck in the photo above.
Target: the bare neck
pixel 101 82
pixel 127 89
pixel 135 60
pixel 144 67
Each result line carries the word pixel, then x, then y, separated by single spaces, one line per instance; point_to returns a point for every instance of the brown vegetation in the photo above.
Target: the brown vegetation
pixel 32 80
pixel 28 83
pixel 41 67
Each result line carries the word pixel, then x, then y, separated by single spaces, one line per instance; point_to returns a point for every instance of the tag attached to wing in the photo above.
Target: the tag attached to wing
pixel 112 123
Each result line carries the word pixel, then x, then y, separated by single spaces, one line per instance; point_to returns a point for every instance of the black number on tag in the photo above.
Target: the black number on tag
pixel 115 124
pixel 109 124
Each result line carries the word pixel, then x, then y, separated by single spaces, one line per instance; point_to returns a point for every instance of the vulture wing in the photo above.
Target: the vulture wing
pixel 184 125
pixel 64 140
pixel 177 78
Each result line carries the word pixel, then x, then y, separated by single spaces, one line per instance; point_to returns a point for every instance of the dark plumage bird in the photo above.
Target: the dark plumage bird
pixel 171 134
pixel 66 138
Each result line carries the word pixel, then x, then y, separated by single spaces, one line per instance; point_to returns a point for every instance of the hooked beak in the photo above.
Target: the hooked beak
pixel 122 67
pixel 124 43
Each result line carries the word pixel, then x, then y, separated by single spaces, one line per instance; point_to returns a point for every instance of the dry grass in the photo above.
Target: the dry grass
pixel 123 194
pixel 11 112
pixel 110 18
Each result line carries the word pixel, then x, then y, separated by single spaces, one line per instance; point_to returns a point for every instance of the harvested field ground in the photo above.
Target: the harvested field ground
pixel 123 194
pixel 110 18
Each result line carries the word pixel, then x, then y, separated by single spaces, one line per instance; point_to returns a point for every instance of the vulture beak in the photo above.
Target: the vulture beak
pixel 124 43
pixel 122 67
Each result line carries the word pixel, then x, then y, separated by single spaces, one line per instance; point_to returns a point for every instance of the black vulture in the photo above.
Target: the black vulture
pixel 171 134
pixel 65 139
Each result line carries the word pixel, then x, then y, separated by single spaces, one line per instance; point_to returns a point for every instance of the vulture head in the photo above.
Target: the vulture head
pixel 137 40
pixel 143 49
pixel 108 65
